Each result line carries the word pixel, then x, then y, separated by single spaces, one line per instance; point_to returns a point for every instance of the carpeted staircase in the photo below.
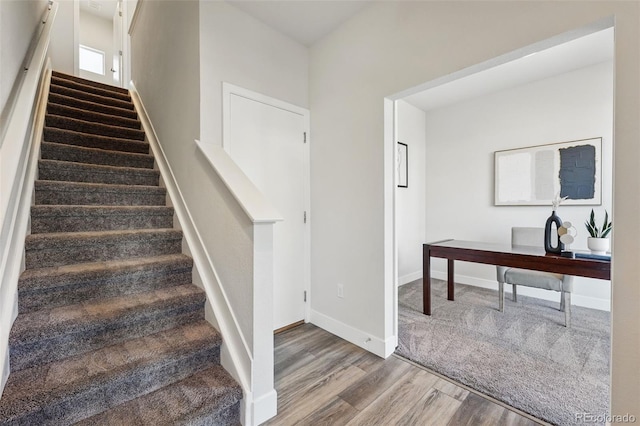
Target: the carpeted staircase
pixel 110 329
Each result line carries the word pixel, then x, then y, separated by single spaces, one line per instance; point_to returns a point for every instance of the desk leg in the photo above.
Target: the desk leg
pixel 450 290
pixel 426 280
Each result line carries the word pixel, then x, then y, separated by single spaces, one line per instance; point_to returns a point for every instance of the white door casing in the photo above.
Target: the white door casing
pixel 118 45
pixel 269 140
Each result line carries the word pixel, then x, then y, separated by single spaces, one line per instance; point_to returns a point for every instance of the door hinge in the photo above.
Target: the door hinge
pixel 120 14
pixel 305 295
pixel 305 137
pixel 120 52
pixel 305 217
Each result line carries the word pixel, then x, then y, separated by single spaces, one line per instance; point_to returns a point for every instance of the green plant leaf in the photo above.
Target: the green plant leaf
pixel 605 223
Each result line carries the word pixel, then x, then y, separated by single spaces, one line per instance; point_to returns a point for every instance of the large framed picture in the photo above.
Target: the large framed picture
pixel 534 175
pixel 402 168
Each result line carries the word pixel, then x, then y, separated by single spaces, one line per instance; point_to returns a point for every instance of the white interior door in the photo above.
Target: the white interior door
pixel 268 143
pixel 118 26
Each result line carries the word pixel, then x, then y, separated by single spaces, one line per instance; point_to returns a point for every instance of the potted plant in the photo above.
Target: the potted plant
pixel 598 242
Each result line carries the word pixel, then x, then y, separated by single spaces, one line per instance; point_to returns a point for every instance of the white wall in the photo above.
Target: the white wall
pixel 461 141
pixel 97 32
pixel 243 51
pixel 19 22
pixel 393 46
pixel 410 219
pixel 62 50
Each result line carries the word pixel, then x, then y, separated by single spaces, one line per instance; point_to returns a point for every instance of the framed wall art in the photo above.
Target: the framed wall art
pixel 402 166
pixel 534 175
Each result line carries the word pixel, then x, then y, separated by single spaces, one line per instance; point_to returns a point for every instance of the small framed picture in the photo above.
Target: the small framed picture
pixel 402 168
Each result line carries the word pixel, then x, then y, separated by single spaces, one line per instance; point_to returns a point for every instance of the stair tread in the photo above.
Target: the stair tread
pixel 93 128
pixel 179 401
pixel 48 323
pixel 90 88
pixel 99 168
pixel 91 116
pixel 92 210
pixel 99 150
pixel 96 137
pixel 70 150
pixel 70 77
pixel 91 97
pixel 35 241
pixel 97 186
pixel 63 99
pixel 35 278
pixel 33 388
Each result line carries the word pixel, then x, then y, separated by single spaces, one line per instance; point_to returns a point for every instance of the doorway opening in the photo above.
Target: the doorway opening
pixel 100 46
pixel 453 125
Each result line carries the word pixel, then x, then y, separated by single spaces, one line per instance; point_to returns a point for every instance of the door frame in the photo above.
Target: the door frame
pixel 125 72
pixel 228 90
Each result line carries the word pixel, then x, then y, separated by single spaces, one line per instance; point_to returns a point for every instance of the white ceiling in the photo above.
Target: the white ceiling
pixel 302 20
pixel 103 8
pixel 588 50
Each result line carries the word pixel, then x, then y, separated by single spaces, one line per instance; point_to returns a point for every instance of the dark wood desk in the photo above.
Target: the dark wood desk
pixel 503 255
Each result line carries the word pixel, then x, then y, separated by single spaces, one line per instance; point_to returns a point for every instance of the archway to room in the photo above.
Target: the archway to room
pixel 457 185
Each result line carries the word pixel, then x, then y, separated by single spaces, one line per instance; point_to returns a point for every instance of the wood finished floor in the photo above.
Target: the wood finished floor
pixel 324 380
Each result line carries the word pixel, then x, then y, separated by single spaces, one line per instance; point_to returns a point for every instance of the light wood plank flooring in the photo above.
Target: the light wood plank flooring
pixel 324 380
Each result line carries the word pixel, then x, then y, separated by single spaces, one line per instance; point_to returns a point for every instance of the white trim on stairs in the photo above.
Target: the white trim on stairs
pixel 254 371
pixel 18 210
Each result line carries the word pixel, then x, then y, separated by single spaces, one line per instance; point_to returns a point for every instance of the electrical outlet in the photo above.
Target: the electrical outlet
pixel 340 291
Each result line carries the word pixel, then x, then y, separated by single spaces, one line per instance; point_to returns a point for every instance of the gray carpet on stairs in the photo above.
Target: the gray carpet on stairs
pixel 110 329
pixel 524 357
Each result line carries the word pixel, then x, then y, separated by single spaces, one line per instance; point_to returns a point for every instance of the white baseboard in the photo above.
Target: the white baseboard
pixel 576 299
pixel 406 279
pixel 380 347
pixel 259 409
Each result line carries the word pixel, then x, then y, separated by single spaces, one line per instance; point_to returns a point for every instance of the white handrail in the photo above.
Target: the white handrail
pixel 252 201
pixel 18 162
pixel 13 144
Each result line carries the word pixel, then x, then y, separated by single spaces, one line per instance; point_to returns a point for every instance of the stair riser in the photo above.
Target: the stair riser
pixel 76 125
pixel 114 222
pixel 83 114
pixel 90 89
pixel 93 141
pixel 42 350
pixel 93 400
pixel 100 100
pixel 116 284
pixel 72 78
pixel 80 173
pixel 86 105
pixel 76 154
pixel 56 253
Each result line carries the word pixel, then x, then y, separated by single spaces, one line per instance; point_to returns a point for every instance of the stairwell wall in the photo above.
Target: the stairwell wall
pixel 239 49
pixel 19 21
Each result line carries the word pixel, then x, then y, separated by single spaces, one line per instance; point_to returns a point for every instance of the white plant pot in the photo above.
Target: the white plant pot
pixel 598 245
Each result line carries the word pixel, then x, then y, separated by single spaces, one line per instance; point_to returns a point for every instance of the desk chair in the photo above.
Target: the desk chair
pixel 534 237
